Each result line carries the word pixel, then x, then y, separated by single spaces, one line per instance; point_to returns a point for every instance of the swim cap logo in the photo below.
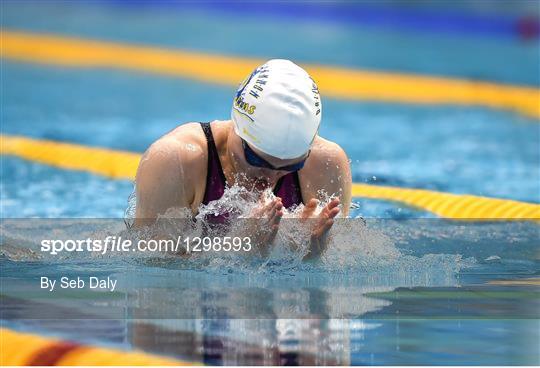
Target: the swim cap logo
pixel 239 103
pixel 316 96
pixel 242 105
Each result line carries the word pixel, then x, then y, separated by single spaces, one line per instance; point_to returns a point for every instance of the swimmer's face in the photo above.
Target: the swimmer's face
pixel 262 177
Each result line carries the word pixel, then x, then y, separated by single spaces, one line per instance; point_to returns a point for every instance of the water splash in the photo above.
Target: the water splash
pixel 353 245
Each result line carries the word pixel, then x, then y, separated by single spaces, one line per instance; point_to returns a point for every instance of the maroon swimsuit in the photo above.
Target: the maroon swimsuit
pixel 287 188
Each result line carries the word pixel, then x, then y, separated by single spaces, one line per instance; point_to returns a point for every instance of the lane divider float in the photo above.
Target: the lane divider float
pixel 22 349
pixel 123 165
pixel 336 82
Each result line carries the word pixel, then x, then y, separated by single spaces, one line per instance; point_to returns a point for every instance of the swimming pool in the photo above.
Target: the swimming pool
pixel 409 288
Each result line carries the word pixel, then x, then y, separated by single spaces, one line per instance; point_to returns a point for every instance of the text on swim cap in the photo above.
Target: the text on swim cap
pixel 316 96
pixel 244 106
pixel 262 77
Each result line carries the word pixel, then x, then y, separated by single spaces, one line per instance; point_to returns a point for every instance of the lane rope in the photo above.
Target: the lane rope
pixel 22 349
pixel 123 165
pixel 336 82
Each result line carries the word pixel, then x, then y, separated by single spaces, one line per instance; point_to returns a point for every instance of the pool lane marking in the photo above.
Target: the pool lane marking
pixel 533 281
pixel 123 165
pixel 102 161
pixel 23 349
pixel 456 293
pixel 336 82
pixel 454 206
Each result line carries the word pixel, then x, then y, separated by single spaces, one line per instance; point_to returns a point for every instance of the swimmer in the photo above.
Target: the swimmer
pixel 271 141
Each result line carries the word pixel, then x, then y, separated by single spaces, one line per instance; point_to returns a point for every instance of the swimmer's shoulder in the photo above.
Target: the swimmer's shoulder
pixel 327 168
pixel 176 163
pixel 185 145
pixel 172 172
pixel 325 152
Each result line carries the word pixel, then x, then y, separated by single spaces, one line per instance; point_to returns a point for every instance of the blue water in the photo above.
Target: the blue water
pixel 433 303
pixel 495 155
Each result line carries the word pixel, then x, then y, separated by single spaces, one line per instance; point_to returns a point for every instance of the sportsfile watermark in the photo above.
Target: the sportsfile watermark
pixel 368 266
pixel 115 243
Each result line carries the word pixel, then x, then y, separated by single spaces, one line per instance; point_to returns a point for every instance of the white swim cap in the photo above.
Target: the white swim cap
pixel 277 109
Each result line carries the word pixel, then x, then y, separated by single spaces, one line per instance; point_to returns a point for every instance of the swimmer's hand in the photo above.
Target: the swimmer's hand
pixel 270 215
pixel 322 224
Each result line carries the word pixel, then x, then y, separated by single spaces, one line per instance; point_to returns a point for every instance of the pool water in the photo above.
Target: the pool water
pixel 406 288
pixel 389 292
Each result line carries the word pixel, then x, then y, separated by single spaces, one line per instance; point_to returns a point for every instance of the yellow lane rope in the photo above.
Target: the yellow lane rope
pixel 454 206
pixel 343 83
pixel 22 349
pixel 123 165
pixel 533 281
pixel 101 161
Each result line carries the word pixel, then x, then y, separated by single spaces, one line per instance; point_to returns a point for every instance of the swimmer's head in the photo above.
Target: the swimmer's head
pixel 277 110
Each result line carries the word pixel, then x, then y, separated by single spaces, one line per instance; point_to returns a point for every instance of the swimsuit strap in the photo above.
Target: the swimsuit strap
pixel 215 179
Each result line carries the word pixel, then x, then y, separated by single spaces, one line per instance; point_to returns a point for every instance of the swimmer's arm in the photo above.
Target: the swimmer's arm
pixel 332 177
pixel 340 180
pixel 163 181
